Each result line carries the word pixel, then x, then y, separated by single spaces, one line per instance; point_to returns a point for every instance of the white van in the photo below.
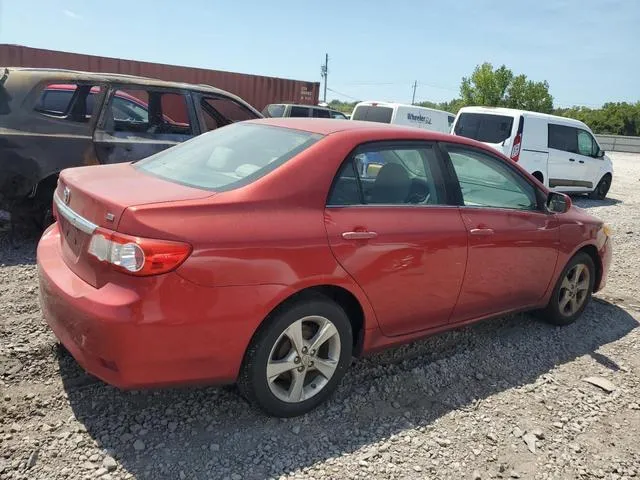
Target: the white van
pixel 560 152
pixel 407 115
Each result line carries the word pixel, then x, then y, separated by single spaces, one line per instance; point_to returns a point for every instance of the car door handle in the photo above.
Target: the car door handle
pixel 481 231
pixel 359 235
pixel 572 159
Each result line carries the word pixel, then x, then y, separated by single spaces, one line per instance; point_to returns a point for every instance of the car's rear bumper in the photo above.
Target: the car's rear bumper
pixel 168 331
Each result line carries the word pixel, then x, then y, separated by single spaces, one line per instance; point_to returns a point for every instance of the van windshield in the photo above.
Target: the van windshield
pixel 484 127
pixel 373 114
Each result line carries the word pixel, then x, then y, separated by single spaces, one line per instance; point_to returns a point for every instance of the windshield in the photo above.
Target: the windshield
pixel 228 157
pixel 372 114
pixel 484 127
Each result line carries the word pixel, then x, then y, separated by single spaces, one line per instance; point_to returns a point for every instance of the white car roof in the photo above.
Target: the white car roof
pixel 395 105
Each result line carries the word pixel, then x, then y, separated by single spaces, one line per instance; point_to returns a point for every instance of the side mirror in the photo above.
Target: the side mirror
pixel 600 153
pixel 558 202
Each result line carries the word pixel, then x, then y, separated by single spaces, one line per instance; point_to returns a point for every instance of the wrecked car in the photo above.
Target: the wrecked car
pixel 55 119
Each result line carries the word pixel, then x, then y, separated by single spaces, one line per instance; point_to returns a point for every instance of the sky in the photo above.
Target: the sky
pixel 588 50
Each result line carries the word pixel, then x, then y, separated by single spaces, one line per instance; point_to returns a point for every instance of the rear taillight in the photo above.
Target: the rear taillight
pixel 515 150
pixel 136 255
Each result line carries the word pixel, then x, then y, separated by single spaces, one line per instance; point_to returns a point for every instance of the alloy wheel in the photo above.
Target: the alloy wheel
pixel 574 289
pixel 303 359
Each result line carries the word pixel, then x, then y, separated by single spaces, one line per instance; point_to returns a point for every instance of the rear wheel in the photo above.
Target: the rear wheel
pixel 572 292
pixel 602 188
pixel 298 358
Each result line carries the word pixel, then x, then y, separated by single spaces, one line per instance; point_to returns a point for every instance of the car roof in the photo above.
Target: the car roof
pixel 63 75
pixel 325 126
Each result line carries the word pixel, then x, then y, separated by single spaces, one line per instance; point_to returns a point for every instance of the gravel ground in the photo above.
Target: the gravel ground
pixel 502 399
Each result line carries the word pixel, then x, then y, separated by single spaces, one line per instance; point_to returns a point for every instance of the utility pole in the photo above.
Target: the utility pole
pixel 415 85
pixel 324 72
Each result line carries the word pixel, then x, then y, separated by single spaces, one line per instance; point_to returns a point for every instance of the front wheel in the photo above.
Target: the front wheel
pixel 572 292
pixel 602 188
pixel 297 359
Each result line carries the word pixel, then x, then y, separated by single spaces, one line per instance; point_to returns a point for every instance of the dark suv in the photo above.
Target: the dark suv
pixel 292 110
pixel 55 119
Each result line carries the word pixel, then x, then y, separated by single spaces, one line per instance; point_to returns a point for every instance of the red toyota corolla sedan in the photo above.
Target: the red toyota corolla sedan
pixel 271 252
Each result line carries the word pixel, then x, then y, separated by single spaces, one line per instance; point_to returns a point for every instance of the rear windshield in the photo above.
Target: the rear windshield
pixel 373 114
pixel 484 127
pixel 228 157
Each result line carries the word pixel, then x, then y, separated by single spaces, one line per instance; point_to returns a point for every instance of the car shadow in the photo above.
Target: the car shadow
pixel 212 433
pixel 583 201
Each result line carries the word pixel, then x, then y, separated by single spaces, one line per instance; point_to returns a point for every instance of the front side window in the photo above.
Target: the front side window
pixel 142 111
pixel 228 157
pixel 484 127
pixel 275 110
pixel 563 138
pixel 586 144
pixel 389 176
pixel 486 181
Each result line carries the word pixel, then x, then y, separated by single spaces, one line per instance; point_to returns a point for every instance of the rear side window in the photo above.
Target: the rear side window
pixel 373 114
pixel 451 119
pixel 228 157
pixel 321 113
pixel 484 127
pixel 563 138
pixel 299 112
pixel 399 175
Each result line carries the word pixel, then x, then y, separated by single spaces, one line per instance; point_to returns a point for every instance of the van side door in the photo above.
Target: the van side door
pixel 567 169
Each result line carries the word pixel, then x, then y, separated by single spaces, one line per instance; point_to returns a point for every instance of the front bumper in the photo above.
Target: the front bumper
pixel 165 331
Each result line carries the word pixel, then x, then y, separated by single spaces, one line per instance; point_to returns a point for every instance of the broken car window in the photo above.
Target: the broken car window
pixel 142 111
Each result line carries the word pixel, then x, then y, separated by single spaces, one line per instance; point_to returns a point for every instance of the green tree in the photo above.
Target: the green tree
pixel 499 87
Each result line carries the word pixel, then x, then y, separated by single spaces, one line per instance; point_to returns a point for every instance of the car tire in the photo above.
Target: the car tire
pixel 602 188
pixel 572 292
pixel 280 373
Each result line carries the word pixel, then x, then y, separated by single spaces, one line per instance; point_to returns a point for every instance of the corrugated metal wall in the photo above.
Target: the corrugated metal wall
pixel 257 90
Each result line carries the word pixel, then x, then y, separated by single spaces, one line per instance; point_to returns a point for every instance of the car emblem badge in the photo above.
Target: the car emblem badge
pixel 66 195
pixel 110 217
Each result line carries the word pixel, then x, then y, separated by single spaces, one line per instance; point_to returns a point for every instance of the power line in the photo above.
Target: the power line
pixel 343 94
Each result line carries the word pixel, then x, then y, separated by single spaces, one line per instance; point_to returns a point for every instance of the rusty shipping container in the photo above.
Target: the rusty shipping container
pixel 255 89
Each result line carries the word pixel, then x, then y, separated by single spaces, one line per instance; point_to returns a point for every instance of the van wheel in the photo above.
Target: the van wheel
pixel 572 292
pixel 298 358
pixel 602 188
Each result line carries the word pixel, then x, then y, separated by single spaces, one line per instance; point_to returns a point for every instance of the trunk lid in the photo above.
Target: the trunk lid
pixel 90 197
